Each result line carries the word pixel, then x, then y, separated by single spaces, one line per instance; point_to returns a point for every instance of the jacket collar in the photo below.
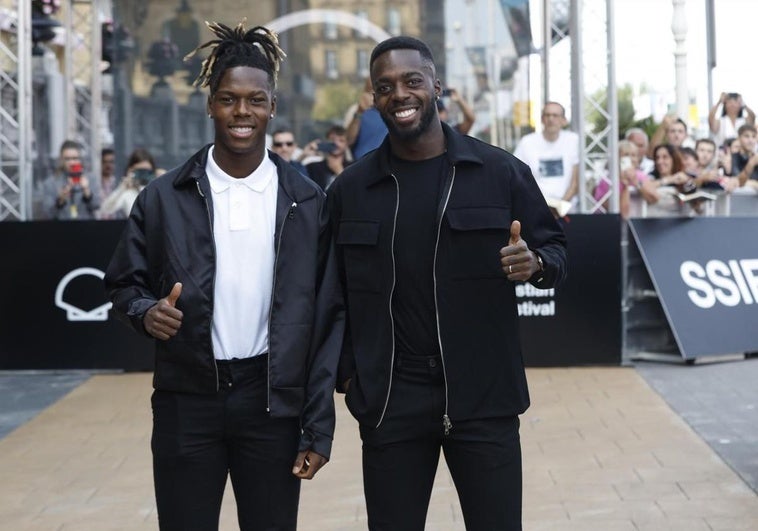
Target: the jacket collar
pixel 459 149
pixel 289 179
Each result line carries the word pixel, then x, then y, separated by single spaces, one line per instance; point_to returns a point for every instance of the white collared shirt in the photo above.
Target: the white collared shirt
pixel 244 219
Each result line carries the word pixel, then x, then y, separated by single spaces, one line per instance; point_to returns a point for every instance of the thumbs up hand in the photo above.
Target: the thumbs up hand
pixel 174 295
pixel 515 235
pixel 163 320
pixel 519 263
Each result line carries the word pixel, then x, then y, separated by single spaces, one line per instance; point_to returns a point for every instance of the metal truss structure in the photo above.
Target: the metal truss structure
pixel 82 60
pixel 83 97
pixel 15 118
pixel 593 54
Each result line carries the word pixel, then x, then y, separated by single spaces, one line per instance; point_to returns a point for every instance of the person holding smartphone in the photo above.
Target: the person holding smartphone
pixel 334 152
pixel 734 114
pixel 467 113
pixel 70 193
pixel 140 171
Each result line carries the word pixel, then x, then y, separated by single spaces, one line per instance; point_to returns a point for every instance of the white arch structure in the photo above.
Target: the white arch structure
pixel 323 16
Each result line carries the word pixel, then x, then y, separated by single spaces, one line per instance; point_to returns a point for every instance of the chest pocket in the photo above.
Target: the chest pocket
pixel 476 236
pixel 358 242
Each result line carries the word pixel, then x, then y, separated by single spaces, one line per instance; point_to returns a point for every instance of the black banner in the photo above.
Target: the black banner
pixel 54 311
pixel 705 271
pixel 579 323
pixel 55 314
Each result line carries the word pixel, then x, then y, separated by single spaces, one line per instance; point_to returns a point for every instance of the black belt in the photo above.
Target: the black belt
pixel 260 359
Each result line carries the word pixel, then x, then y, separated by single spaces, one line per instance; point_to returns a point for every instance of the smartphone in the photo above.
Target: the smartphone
pixel 625 163
pixel 326 147
pixel 142 176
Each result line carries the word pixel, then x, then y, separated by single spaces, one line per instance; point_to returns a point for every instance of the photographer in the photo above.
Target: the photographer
pixel 70 194
pixel 467 113
pixel 140 171
pixel 335 159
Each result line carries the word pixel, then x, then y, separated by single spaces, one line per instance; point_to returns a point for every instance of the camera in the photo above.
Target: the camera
pixel 446 92
pixel 75 172
pixel 326 147
pixel 142 176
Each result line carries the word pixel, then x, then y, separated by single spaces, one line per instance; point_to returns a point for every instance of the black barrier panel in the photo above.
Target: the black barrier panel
pixel 54 311
pixel 580 324
pixel 705 271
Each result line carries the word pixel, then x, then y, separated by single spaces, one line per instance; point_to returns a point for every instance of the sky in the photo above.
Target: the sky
pixel 645 47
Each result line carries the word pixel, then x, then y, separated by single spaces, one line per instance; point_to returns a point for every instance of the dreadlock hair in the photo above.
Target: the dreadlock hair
pixel 257 47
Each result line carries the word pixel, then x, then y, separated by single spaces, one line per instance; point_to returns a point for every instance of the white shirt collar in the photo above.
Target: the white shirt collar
pixel 257 181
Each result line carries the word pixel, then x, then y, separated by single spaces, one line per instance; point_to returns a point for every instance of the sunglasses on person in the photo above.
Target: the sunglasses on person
pixel 282 144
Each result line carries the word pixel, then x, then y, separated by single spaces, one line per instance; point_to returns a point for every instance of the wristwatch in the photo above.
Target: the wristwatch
pixel 541 265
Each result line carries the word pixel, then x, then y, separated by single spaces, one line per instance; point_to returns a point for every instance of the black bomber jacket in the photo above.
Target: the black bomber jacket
pixel 168 238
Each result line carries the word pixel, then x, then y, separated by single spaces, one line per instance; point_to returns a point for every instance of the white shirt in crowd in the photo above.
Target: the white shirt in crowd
pixel 552 163
pixel 727 129
pixel 244 219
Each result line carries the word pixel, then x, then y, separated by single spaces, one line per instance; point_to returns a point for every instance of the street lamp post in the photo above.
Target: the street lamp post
pixel 679 29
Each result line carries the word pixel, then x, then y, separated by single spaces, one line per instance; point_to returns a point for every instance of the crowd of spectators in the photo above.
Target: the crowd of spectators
pixel 665 169
pixel 672 169
pixel 71 192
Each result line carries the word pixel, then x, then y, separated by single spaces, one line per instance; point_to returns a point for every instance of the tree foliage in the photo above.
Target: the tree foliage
pixel 624 97
pixel 334 99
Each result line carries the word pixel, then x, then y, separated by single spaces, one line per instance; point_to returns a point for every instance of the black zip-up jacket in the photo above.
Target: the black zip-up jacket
pixel 168 238
pixel 485 189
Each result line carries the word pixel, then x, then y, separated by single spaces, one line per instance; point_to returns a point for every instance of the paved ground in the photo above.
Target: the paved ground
pixel 602 451
pixel 24 394
pixel 720 402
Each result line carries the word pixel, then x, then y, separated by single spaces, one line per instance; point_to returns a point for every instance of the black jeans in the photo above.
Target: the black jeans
pixel 199 439
pixel 400 457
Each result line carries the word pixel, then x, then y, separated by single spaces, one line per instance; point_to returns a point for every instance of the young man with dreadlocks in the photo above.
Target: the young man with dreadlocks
pixel 227 262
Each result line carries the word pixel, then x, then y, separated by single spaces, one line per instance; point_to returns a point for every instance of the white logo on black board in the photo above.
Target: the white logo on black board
pixel 74 313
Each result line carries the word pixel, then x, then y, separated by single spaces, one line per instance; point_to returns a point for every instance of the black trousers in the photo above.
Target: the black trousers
pixel 199 439
pixel 400 457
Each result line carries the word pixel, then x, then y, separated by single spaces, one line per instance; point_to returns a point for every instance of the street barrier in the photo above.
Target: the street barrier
pixel 704 277
pixel 54 311
pixel 55 314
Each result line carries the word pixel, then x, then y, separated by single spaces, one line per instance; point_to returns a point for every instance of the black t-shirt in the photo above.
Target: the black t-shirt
pixel 321 173
pixel 415 240
pixel 739 161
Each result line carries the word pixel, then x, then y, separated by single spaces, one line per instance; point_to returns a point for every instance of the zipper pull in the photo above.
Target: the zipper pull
pixel 446 424
pixel 199 191
pixel 291 215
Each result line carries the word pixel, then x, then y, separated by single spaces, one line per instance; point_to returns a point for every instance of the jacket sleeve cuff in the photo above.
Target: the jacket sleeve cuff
pixel 319 443
pixel 136 314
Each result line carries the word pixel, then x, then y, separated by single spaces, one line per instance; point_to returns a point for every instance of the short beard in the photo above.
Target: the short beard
pixel 427 118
